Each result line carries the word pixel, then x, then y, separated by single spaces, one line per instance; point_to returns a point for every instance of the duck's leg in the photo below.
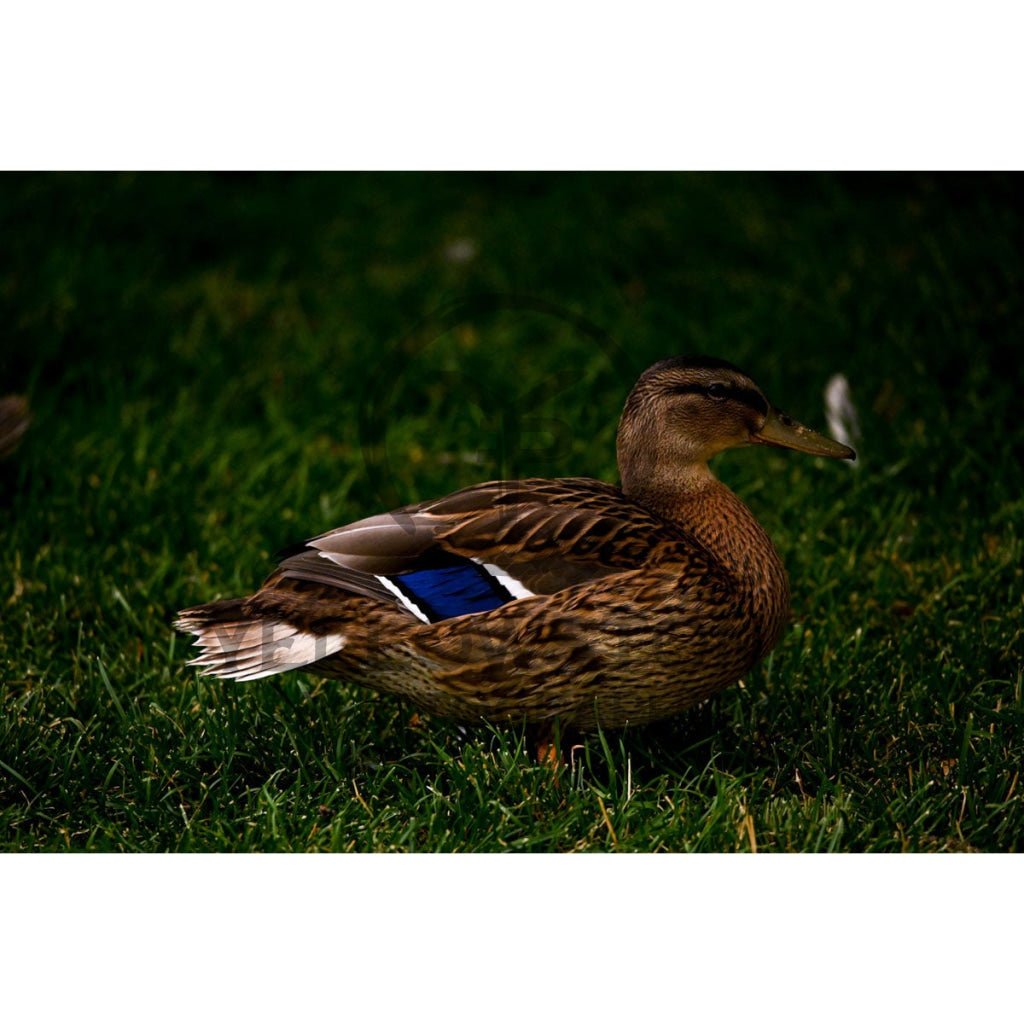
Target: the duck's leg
pixel 546 746
pixel 552 743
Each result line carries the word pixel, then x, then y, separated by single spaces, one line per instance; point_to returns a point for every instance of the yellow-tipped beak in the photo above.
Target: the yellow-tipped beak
pixel 782 432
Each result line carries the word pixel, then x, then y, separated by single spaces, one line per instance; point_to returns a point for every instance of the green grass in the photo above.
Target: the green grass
pixel 220 366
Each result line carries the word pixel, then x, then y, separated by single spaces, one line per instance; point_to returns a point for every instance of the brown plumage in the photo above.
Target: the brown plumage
pixel 14 421
pixel 542 599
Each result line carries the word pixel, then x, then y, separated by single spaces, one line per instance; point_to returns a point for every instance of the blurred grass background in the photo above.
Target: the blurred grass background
pixel 220 365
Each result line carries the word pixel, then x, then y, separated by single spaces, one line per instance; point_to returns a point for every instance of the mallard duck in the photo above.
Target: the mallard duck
pixel 536 600
pixel 14 421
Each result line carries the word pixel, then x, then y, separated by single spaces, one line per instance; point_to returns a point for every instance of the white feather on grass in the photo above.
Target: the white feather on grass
pixel 841 413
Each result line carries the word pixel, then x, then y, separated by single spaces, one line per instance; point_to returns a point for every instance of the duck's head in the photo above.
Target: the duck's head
pixel 685 410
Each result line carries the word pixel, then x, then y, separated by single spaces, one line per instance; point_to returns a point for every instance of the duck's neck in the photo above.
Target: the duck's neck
pixel 707 509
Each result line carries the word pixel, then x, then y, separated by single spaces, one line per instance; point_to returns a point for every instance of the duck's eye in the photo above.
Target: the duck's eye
pixel 716 391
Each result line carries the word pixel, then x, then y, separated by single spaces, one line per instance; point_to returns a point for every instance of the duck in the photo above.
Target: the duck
pixel 569 600
pixel 14 421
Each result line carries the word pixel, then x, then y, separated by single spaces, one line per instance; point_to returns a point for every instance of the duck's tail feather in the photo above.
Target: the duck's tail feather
pixel 237 645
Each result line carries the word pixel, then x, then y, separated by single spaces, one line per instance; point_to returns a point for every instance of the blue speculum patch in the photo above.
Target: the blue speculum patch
pixel 453 590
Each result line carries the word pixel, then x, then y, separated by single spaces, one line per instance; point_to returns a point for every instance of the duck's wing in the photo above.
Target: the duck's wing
pixel 482 547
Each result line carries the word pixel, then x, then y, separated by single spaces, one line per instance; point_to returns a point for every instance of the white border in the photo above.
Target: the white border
pixel 546 85
pixel 784 938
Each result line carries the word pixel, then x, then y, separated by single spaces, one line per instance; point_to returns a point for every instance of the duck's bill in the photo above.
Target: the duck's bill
pixel 781 431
